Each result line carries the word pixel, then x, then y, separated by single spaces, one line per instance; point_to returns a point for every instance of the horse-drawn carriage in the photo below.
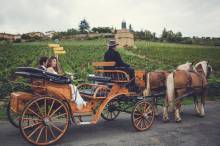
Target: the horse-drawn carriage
pixel 44 115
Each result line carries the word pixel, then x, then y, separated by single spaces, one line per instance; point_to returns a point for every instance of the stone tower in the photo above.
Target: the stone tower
pixel 124 37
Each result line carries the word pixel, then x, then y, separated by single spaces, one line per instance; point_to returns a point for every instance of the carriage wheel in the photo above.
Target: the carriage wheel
pixel 142 115
pixel 13 117
pixel 110 111
pixel 48 122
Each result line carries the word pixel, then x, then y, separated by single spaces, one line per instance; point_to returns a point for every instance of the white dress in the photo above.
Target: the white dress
pixel 76 97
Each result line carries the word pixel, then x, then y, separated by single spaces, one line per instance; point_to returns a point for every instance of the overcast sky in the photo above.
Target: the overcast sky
pixel 191 17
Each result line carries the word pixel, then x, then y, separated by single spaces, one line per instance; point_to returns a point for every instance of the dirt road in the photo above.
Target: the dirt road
pixel 193 131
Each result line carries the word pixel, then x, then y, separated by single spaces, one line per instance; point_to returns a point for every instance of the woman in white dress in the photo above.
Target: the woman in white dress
pixel 52 68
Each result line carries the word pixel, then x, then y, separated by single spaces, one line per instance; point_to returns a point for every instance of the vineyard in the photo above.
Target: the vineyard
pixel 80 55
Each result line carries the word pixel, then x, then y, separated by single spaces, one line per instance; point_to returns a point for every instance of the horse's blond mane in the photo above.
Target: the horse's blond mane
pixel 204 65
pixel 187 66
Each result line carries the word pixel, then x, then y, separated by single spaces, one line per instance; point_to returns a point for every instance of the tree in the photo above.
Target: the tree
pixel 178 37
pixel 72 31
pixel 131 28
pixel 84 26
pixel 102 29
pixel 164 35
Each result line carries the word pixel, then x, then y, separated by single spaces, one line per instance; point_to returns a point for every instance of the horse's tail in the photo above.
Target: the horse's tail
pixel 170 90
pixel 146 91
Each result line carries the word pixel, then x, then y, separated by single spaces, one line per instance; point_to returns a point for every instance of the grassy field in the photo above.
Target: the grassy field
pixel 80 55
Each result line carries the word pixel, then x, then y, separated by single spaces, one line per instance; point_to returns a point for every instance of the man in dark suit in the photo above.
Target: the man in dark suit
pixel 112 55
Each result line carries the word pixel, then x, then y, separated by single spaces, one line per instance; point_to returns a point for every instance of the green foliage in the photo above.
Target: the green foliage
pixel 84 26
pixel 102 29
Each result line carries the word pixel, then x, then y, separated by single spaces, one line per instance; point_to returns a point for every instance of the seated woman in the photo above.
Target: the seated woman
pixel 52 68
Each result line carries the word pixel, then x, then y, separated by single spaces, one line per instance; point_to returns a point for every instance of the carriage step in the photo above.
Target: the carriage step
pixel 85 123
pixel 83 114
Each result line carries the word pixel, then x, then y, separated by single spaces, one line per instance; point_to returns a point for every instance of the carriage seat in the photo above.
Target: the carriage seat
pixel 104 71
pixel 93 91
pixel 34 73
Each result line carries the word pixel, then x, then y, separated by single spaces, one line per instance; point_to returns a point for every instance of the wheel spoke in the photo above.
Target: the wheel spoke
pixel 147 109
pixel 145 105
pixel 138 118
pixel 51 107
pixel 55 111
pixel 54 126
pixel 144 123
pixel 32 125
pixel 114 113
pixel 38 137
pixel 139 122
pixel 57 116
pixel 107 115
pixel 46 136
pixel 51 131
pixel 34 113
pixel 136 113
pixel 31 119
pixel 35 130
pixel 38 108
pixel 147 120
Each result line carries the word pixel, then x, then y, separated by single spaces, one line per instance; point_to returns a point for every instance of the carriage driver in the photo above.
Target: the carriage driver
pixel 112 55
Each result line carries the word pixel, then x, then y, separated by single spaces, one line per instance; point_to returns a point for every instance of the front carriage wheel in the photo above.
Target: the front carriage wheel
pixel 142 115
pixel 44 120
pixel 110 111
pixel 13 117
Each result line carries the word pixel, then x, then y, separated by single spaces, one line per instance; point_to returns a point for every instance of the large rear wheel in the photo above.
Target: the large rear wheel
pixel 142 115
pixel 44 120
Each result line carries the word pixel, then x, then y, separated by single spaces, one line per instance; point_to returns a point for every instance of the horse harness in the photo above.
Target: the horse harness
pixel 189 83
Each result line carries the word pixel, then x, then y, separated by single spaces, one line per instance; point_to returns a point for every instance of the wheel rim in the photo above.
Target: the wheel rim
pixel 110 112
pixel 13 117
pixel 143 116
pixel 44 121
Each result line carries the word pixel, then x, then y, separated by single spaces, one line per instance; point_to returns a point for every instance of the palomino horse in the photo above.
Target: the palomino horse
pixel 182 83
pixel 156 82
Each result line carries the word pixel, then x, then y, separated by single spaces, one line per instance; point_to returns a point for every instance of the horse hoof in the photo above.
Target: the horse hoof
pixel 166 120
pixel 157 114
pixel 178 121
pixel 201 116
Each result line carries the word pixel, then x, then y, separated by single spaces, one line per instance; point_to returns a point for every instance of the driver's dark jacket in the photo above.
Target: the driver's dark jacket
pixel 112 55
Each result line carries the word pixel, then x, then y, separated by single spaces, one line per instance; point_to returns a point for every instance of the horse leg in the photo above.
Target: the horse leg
pixel 196 105
pixel 177 112
pixel 180 106
pixel 165 111
pixel 202 110
pixel 155 106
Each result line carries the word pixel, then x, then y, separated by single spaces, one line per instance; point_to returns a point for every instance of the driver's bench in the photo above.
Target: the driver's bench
pixel 103 78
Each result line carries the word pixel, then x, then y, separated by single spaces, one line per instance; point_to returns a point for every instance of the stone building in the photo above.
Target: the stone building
pixel 9 37
pixel 124 37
